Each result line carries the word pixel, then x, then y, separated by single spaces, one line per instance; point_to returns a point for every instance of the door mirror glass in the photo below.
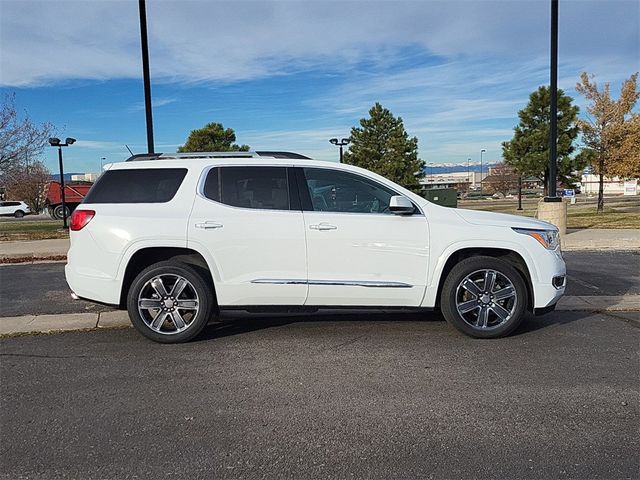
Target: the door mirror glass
pixel 401 205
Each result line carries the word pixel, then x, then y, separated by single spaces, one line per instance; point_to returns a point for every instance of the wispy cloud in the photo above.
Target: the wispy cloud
pixel 223 41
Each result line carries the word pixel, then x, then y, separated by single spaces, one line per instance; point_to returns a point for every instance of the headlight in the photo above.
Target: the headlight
pixel 549 239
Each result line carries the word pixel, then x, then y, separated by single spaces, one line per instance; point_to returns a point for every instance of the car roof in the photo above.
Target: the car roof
pixel 200 162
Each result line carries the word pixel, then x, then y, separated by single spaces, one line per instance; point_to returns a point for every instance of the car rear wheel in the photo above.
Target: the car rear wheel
pixel 170 302
pixel 484 297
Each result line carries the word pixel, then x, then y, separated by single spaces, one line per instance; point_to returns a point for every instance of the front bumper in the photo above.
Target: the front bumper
pixel 552 280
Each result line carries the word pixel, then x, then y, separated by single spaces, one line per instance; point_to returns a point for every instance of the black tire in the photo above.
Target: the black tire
pixel 454 295
pixel 168 330
pixel 18 214
pixel 57 212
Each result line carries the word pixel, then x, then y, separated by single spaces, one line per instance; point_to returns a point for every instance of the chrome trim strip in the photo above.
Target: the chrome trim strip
pixel 276 281
pixel 350 283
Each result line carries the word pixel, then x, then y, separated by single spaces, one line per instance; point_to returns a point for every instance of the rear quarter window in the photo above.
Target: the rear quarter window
pixel 144 185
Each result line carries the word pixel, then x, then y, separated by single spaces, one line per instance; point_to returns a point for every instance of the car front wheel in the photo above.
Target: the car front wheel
pixel 18 214
pixel 170 302
pixel 484 297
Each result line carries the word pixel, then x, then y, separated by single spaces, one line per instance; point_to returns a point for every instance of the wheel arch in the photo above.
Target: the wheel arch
pixel 149 255
pixel 512 257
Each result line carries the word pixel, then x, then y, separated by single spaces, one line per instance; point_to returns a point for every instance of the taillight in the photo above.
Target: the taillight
pixel 80 218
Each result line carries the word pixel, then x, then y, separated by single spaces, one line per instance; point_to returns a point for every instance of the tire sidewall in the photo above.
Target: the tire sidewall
pixel 206 301
pixel 464 268
pixel 18 214
pixel 57 212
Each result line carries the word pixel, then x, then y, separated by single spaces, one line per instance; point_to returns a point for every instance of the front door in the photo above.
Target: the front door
pixel 358 252
pixel 253 229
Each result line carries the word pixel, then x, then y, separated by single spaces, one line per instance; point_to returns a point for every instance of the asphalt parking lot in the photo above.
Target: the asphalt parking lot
pixel 337 397
pixel 387 395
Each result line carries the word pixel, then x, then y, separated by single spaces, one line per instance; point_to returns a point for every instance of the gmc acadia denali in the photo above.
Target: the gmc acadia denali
pixel 177 238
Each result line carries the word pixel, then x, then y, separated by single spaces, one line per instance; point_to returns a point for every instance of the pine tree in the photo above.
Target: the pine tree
pixel 213 137
pixel 382 145
pixel 528 151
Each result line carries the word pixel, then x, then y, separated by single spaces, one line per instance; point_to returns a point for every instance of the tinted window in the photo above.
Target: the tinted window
pixel 249 187
pixel 336 191
pixel 152 185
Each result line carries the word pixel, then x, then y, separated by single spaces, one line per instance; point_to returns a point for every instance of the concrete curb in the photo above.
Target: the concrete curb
pixel 600 303
pixel 118 319
pixel 63 322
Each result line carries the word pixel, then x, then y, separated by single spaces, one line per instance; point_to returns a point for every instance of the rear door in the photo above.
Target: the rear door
pixel 249 219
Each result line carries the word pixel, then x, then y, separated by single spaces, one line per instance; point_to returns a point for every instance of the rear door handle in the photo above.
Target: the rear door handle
pixel 323 226
pixel 208 225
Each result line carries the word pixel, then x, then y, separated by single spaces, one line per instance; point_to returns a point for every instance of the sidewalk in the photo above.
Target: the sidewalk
pixel 588 239
pixel 27 251
pixel 601 239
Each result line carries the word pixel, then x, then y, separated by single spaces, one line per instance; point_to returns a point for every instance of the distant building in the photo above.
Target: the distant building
pixel 612 185
pixel 85 177
pixel 459 180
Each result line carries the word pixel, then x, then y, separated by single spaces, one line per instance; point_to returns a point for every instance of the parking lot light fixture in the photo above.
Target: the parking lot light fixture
pixel 55 142
pixel 481 152
pixel 340 143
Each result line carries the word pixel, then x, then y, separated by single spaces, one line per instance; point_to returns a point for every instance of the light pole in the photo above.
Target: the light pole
pixel 519 192
pixel 55 142
pixel 481 152
pixel 102 159
pixel 144 44
pixel 341 144
pixel 553 130
pixel 468 177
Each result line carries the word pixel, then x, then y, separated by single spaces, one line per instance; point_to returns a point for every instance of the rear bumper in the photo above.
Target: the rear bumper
pixel 97 289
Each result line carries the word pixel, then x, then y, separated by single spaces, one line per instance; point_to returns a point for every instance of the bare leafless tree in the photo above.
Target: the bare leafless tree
pixel 21 140
pixel 502 179
pixel 26 183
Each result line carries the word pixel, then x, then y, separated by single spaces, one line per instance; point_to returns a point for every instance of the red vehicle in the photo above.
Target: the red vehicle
pixel 74 192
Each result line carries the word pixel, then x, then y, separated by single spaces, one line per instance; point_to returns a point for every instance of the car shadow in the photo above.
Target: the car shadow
pixel 239 323
pixel 533 323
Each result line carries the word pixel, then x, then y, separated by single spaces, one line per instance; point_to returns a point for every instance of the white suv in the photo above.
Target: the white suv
pixel 178 238
pixel 14 209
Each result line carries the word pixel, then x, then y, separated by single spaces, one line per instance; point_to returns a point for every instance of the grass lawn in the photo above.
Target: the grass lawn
pixel 26 229
pixel 579 215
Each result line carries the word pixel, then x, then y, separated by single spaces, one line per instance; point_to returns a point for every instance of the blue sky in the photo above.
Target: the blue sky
pixel 291 74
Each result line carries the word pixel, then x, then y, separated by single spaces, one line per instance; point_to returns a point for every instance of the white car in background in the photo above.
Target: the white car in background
pixel 178 238
pixel 14 209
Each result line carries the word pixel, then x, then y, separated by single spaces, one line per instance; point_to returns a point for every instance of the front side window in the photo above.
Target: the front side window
pixel 265 188
pixel 345 192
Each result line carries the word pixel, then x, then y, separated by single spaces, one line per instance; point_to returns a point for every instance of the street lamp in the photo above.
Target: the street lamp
pixel 341 143
pixel 481 152
pixel 55 142
pixel 102 159
pixel 468 177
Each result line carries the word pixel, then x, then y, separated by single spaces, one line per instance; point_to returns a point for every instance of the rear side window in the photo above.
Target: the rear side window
pixel 265 188
pixel 145 185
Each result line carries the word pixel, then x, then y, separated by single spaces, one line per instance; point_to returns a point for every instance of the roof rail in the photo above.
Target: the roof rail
pixel 275 154
pixel 251 154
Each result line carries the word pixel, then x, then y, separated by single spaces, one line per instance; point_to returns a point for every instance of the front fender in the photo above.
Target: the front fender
pixel 437 266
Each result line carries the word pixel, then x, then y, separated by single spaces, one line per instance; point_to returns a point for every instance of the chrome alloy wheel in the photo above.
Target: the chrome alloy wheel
pixel 486 299
pixel 168 304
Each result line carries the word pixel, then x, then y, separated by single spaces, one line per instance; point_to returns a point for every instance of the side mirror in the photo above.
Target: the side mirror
pixel 401 205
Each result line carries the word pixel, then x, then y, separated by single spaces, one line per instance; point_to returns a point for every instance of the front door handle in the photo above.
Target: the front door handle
pixel 208 225
pixel 323 226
